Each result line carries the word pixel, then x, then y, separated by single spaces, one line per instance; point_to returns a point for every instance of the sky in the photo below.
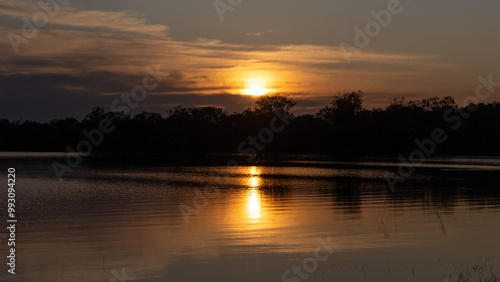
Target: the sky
pixel 224 53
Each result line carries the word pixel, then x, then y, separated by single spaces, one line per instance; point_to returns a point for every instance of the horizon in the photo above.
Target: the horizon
pixel 167 112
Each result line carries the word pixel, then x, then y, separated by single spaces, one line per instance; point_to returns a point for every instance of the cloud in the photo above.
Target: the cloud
pixel 43 97
pixel 261 33
pixel 69 16
pixel 92 56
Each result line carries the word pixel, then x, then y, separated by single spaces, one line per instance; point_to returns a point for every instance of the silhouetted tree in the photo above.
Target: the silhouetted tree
pixel 344 127
pixel 273 102
pixel 427 104
pixel 343 107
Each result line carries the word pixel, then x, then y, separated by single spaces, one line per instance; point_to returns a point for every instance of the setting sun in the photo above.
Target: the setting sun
pixel 256 89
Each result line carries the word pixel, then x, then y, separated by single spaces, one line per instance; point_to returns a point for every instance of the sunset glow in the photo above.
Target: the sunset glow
pixel 242 57
pixel 256 89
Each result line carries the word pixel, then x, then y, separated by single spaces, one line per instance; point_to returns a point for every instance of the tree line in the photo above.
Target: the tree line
pixel 344 127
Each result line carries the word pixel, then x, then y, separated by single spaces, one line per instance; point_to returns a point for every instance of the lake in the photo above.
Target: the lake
pixel 287 220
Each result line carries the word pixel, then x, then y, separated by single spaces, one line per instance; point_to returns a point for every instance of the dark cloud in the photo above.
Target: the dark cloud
pixel 42 97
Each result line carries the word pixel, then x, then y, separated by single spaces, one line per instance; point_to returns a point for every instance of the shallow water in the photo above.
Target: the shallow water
pixel 108 220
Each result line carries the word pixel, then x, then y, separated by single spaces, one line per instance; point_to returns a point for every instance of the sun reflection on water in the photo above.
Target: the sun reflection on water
pixel 253 204
pixel 253 199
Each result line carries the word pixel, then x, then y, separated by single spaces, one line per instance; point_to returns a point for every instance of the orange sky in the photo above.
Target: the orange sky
pixel 89 53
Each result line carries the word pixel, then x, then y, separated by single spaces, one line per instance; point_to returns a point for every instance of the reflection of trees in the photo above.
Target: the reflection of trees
pixel 276 191
pixel 441 190
pixel 346 197
pixel 438 193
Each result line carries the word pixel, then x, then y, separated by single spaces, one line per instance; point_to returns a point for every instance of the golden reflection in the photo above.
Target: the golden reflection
pixel 254 204
pixel 253 200
pixel 254 181
pixel 254 171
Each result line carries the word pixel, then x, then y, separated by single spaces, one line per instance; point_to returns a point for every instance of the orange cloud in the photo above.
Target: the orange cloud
pixel 122 43
pixel 70 16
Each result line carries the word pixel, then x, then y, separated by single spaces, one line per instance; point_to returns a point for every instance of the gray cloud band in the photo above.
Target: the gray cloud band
pixel 48 10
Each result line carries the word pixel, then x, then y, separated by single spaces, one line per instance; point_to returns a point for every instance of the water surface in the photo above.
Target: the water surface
pixel 441 223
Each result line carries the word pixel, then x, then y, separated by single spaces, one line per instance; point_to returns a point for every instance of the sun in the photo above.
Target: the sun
pixel 255 89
